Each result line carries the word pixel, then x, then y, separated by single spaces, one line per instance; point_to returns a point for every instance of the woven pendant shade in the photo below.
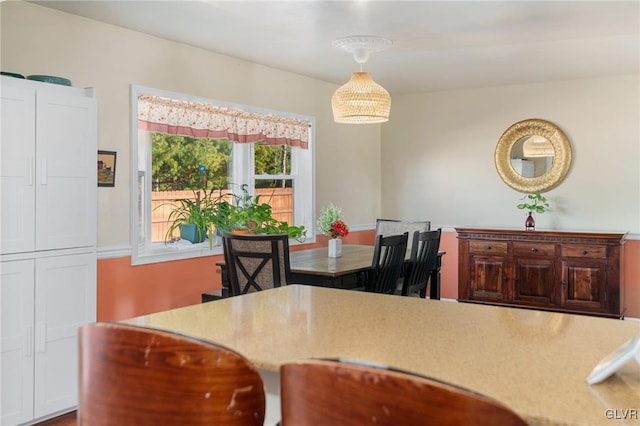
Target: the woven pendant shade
pixel 361 100
pixel 537 146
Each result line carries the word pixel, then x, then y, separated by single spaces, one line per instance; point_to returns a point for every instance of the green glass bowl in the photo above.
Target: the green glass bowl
pixel 11 74
pixel 50 79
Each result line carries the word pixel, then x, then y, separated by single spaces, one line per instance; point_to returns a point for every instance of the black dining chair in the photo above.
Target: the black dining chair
pixel 256 262
pixel 388 261
pixel 422 261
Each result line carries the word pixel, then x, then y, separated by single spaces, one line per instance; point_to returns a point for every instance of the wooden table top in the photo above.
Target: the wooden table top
pixel 533 361
pixel 355 258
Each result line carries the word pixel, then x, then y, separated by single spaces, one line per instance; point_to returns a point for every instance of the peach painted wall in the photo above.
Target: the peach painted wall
pixel 126 291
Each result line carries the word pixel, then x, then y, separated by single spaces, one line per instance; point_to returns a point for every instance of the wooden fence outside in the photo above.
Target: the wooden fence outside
pixel 163 202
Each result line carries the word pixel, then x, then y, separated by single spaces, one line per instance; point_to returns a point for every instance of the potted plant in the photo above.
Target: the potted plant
pixel 192 218
pixel 246 213
pixel 330 223
pixel 534 203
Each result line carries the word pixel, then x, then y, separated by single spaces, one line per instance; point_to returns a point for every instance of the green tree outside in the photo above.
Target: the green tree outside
pixel 177 161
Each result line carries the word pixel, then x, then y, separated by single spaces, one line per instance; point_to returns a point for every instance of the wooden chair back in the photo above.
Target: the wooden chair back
pixel 388 261
pixel 140 376
pixel 423 260
pixel 256 262
pixel 330 392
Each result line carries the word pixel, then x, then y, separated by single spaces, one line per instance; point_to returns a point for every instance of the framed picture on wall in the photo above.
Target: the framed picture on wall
pixel 106 168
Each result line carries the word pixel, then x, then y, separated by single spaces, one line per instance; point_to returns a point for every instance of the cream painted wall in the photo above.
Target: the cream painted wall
pixel 38 40
pixel 438 149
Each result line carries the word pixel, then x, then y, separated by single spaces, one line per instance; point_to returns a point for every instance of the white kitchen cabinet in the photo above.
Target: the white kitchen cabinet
pixel 48 190
pixel 17 296
pixel 48 167
pixel 44 302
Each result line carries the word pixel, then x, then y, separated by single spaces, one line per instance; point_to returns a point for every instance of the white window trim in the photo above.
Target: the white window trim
pixel 141 253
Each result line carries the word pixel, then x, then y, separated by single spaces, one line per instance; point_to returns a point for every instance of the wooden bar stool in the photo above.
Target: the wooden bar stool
pixel 140 376
pixel 332 392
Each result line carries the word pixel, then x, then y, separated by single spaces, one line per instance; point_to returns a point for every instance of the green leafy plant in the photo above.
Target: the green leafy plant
pixel 192 212
pixel 215 209
pixel 200 212
pixel 247 212
pixel 534 202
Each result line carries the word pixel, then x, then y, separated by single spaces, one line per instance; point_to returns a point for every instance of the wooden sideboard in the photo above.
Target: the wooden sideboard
pixel 573 272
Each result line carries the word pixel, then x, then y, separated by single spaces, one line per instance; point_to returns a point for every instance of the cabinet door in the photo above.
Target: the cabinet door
pixel 488 278
pixel 66 175
pixel 16 357
pixel 17 169
pixel 584 285
pixel 65 300
pixel 534 281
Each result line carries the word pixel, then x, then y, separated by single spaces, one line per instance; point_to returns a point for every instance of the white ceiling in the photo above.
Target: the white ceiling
pixel 438 45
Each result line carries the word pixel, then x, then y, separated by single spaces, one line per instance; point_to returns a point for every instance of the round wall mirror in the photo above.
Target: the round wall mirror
pixel 533 156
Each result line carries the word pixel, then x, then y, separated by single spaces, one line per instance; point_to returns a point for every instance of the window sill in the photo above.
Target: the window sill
pixel 161 252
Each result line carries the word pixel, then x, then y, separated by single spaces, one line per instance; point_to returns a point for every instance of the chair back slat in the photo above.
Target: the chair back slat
pixel 333 392
pixel 132 375
pixel 388 260
pixel 256 262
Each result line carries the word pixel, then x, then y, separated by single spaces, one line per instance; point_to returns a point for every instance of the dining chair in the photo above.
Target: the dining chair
pixel 256 262
pixel 388 261
pixel 132 375
pixel 349 393
pixel 422 261
pixel 386 227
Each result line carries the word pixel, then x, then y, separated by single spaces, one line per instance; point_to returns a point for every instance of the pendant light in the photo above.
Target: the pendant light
pixel 361 100
pixel 537 146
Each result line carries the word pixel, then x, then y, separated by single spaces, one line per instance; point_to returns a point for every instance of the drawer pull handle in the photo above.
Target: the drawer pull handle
pixel 584 252
pixel 534 250
pixel 488 247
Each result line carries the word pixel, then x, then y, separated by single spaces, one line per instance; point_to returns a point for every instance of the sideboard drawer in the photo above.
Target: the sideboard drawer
pixel 593 252
pixel 534 249
pixel 491 248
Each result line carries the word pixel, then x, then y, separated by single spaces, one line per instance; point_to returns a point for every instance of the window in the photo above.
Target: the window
pixel 281 174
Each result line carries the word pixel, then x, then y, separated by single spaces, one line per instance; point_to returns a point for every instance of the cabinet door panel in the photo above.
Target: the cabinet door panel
pixel 488 278
pixel 584 285
pixel 534 281
pixel 16 358
pixel 17 170
pixel 66 299
pixel 66 164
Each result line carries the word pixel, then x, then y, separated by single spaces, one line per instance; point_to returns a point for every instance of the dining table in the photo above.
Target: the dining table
pixel 314 267
pixel 534 362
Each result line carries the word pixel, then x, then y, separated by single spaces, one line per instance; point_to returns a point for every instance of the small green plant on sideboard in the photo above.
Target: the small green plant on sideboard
pixel 534 203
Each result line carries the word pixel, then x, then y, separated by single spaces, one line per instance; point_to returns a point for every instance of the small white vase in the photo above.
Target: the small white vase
pixel 335 247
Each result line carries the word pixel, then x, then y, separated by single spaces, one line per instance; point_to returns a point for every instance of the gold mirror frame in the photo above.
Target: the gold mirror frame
pixel 561 158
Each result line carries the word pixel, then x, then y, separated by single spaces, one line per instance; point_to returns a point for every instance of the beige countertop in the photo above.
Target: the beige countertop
pixel 535 362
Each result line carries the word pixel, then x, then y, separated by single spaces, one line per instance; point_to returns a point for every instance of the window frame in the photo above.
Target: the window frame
pixel 242 167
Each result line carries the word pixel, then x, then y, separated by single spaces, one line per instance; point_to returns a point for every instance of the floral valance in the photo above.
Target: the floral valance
pixel 199 120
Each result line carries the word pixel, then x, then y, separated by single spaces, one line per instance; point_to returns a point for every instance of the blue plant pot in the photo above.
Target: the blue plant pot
pixel 189 232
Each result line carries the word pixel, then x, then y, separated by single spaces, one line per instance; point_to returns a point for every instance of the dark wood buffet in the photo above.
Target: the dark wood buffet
pixel 574 272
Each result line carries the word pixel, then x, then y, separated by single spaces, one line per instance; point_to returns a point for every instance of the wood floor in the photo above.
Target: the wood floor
pixel 65 420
